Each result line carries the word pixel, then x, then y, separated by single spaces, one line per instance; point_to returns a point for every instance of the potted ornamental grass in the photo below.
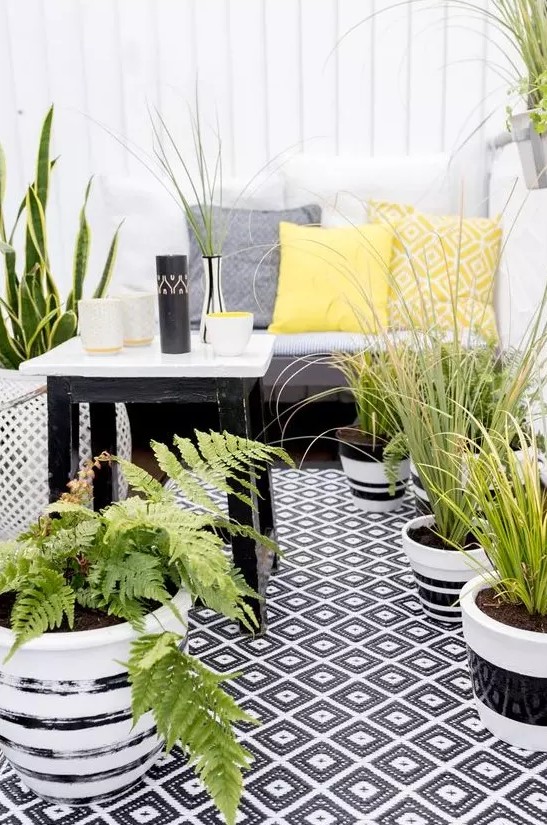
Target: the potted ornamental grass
pixel 505 609
pixel 372 452
pixel 34 318
pixel 441 390
pixel 96 678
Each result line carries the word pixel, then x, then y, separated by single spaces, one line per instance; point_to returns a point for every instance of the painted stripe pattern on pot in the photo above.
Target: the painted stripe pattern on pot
pixel 440 574
pixel 369 484
pixel 421 499
pixel 71 738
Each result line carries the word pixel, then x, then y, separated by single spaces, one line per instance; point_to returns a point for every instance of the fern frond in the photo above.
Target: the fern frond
pixel 143 482
pixel 41 605
pixel 14 573
pixel 190 707
pixel 184 480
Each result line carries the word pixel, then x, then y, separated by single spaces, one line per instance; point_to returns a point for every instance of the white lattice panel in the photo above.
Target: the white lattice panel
pixel 23 450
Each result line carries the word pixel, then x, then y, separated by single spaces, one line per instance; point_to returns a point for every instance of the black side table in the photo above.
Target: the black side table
pixel 145 375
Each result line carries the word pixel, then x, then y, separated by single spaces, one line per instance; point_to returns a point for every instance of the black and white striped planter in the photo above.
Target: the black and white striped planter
pixel 440 574
pixel 366 473
pixel 65 711
pixel 421 499
pixel 508 669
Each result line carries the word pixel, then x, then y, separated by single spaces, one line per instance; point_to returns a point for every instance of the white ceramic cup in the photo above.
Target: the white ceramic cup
pixel 139 318
pixel 229 332
pixel 101 325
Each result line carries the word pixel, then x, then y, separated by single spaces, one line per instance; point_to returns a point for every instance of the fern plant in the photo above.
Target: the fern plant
pixel 33 318
pixel 132 557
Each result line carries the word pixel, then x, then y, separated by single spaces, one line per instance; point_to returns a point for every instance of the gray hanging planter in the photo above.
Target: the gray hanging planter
pixel 532 150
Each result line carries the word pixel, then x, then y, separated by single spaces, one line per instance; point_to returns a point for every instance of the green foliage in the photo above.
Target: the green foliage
pixel 131 558
pixel 32 318
pixel 507 513
pixel 376 412
pixel 190 707
pixel 445 395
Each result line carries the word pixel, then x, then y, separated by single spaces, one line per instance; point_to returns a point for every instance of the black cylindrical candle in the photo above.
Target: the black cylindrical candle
pixel 174 314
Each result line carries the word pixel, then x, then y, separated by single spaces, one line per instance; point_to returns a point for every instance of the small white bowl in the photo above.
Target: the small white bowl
pixel 229 332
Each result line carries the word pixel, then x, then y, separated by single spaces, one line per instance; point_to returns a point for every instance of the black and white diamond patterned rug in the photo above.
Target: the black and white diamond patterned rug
pixel 365 704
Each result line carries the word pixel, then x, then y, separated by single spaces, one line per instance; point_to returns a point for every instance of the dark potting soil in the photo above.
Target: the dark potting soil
pixel 514 615
pixel 84 618
pixel 429 538
pixel 353 435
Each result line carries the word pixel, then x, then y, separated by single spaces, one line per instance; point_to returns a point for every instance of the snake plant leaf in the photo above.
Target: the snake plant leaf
pixel 39 341
pixel 108 270
pixel 10 355
pixel 81 255
pixel 36 243
pixel 29 314
pixel 43 165
pixel 64 328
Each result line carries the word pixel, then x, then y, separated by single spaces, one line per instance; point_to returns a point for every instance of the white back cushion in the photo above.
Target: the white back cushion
pixel 154 223
pixel 341 186
pixel 522 274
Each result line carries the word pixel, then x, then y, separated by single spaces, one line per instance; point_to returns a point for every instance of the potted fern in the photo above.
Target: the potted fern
pixel 96 678
pixel 372 452
pixel 33 319
pixel 505 611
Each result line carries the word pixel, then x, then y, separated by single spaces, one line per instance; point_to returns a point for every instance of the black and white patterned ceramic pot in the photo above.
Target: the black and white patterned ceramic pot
pixel 65 710
pixel 440 574
pixel 365 469
pixel 508 669
pixel 421 499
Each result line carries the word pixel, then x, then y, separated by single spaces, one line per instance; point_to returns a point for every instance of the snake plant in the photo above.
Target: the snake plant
pixel 33 318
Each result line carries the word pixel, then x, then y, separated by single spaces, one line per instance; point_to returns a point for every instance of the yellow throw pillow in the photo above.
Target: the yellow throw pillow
pixel 443 266
pixel 387 211
pixel 332 279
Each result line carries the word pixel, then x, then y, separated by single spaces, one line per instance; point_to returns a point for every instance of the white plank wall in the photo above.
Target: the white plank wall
pixel 329 76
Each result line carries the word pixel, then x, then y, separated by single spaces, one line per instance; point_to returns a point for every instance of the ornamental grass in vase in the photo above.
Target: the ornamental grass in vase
pixel 96 678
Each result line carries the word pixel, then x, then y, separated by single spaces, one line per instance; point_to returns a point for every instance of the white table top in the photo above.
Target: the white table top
pixel 149 362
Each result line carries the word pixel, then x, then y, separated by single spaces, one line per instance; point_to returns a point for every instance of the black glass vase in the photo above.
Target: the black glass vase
pixel 174 312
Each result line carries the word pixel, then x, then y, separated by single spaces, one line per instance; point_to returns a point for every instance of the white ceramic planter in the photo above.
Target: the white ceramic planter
pixel 421 499
pixel 65 706
pixel 24 491
pixel 440 574
pixel 508 670
pixel 369 484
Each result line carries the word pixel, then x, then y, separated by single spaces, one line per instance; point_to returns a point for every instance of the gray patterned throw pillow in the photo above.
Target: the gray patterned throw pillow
pixel 250 259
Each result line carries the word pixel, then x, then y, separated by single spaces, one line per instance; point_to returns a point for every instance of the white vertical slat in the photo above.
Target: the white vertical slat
pixel 355 50
pixel 391 78
pixel 8 124
pixel 319 58
pixel 466 105
pixel 62 33
pixel 138 34
pixel 103 85
pixel 32 96
pixel 214 72
pixel 283 81
pixel 249 93
pixel 427 79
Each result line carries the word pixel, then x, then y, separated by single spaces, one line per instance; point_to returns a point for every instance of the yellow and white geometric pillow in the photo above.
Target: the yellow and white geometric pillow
pixel 442 272
pixel 387 211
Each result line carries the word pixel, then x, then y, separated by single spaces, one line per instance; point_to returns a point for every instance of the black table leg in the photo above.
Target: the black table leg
pixel 234 416
pixel 62 418
pixel 266 513
pixel 102 418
